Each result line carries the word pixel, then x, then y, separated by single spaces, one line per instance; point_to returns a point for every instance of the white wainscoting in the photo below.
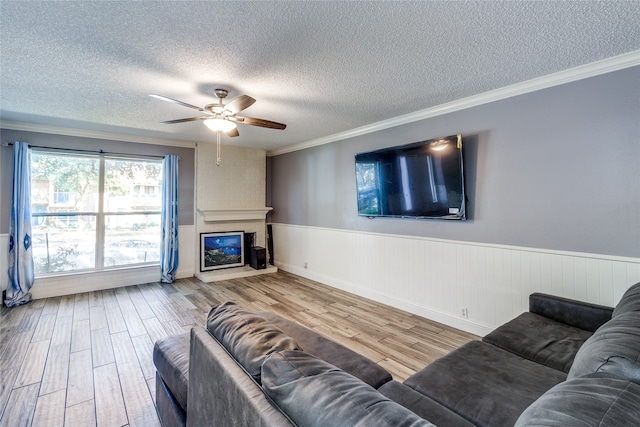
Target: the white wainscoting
pixel 74 283
pixel 85 282
pixel 4 254
pixel 437 278
pixel 188 244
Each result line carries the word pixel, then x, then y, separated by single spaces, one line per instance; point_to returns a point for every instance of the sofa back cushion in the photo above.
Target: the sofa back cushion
pixel 579 314
pixel 598 399
pixel 330 351
pixel 314 393
pixel 613 348
pixel 629 302
pixel 249 338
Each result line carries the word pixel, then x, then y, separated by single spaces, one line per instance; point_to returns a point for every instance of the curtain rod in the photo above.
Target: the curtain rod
pixel 91 151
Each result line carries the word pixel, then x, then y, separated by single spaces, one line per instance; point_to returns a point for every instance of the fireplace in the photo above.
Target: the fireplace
pixel 216 222
pixel 221 250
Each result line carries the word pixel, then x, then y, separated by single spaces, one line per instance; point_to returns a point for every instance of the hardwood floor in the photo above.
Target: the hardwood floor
pixel 86 359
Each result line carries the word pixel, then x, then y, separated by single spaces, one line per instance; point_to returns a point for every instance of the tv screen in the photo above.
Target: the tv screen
pixel 420 180
pixel 221 250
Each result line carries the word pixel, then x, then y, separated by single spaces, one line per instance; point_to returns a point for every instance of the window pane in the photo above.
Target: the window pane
pixel 63 243
pixel 131 239
pixel 132 186
pixel 63 183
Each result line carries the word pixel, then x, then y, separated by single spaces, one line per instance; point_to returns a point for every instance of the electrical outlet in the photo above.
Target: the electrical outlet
pixel 464 313
pixel 305 265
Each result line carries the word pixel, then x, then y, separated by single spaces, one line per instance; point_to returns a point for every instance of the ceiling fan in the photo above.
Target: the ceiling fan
pixel 221 117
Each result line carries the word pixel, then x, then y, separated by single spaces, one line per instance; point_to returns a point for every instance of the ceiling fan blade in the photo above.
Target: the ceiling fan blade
pixel 190 119
pixel 233 133
pixel 239 104
pixel 262 123
pixel 175 101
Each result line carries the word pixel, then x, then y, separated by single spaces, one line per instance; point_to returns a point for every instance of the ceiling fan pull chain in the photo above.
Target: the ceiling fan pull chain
pixel 218 146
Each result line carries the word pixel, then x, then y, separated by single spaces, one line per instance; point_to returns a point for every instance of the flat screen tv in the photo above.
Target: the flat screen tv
pixel 221 250
pixel 420 180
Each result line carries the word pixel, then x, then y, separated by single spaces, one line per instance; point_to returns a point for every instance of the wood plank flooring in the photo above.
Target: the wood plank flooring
pixel 86 359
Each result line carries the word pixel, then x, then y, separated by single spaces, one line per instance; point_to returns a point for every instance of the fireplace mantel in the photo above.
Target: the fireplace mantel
pixel 239 214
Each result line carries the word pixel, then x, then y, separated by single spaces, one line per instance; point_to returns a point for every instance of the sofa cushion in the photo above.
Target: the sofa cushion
pixel 485 384
pixel 313 392
pixel 579 314
pixel 336 354
pixel 171 357
pixel 629 302
pixel 540 339
pixel 422 405
pixel 613 348
pixel 248 337
pixel 592 400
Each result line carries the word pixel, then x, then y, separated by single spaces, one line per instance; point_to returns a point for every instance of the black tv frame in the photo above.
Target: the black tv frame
pixel 428 148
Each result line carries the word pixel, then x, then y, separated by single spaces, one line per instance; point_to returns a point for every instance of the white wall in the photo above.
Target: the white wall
pixel 4 254
pixel 436 278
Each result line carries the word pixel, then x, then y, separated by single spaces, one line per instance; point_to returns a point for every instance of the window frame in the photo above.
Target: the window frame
pixel 100 214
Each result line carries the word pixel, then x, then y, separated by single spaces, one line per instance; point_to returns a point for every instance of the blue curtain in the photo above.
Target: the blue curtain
pixel 169 219
pixel 21 273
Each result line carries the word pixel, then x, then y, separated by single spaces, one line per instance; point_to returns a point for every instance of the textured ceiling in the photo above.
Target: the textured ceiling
pixel 320 67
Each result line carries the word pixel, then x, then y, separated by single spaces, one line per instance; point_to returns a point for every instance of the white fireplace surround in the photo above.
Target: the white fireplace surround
pixel 217 218
pixel 238 214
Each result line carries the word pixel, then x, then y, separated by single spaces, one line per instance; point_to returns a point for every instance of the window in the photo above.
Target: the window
pixel 61 198
pixel 151 190
pixel 88 212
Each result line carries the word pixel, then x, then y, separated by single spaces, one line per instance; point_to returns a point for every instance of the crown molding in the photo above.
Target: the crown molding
pixel 83 133
pixel 593 69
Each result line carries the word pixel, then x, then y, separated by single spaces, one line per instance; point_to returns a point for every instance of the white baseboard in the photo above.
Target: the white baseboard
pixel 233 273
pixel 69 284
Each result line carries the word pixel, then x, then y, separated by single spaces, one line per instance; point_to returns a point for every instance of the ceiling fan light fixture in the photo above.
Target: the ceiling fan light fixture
pixel 439 145
pixel 221 125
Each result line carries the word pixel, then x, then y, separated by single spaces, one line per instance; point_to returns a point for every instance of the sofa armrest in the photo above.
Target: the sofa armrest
pixel 578 314
pixel 221 392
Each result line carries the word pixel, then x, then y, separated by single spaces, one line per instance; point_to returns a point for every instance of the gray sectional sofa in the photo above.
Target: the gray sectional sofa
pixel 562 363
